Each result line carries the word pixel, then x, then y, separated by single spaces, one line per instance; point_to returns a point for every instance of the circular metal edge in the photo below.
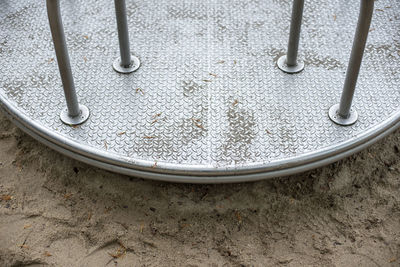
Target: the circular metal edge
pixel 193 170
pixel 281 63
pixel 209 179
pixel 135 64
pixel 72 121
pixel 336 118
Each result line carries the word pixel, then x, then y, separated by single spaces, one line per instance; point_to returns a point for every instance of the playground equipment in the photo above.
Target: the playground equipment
pixel 224 91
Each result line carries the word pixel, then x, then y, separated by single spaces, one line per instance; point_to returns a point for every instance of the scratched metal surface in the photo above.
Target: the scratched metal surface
pixel 208 97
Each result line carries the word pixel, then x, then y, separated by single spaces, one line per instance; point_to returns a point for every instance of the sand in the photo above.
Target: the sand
pixel 59 212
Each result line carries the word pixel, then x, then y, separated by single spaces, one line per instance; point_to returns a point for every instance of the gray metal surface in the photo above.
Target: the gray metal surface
pixel 208 103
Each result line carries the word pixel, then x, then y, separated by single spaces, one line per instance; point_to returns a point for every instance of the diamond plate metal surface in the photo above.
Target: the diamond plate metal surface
pixel 208 98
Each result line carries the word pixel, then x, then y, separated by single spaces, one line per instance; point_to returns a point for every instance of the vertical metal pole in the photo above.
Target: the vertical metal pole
pixel 289 62
pixel 342 113
pixel 74 114
pixel 360 40
pixel 127 63
pixel 295 28
pixel 123 34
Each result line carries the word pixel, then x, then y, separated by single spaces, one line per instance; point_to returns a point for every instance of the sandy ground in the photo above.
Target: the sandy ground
pixel 59 212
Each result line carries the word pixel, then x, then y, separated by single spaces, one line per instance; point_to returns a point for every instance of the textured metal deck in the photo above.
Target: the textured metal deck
pixel 208 103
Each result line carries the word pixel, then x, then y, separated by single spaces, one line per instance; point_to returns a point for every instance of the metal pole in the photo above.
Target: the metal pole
pixel 289 62
pixel 123 34
pixel 127 63
pixel 342 113
pixel 73 114
pixel 360 39
pixel 295 28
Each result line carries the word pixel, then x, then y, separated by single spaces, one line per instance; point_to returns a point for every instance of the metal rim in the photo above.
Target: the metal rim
pixel 87 153
pixel 211 179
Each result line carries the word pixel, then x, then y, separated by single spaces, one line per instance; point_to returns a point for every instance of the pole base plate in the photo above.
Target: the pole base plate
pixel 72 121
pixel 336 118
pixel 135 64
pixel 290 69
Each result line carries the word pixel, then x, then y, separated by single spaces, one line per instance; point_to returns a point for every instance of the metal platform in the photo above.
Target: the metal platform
pixel 208 103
